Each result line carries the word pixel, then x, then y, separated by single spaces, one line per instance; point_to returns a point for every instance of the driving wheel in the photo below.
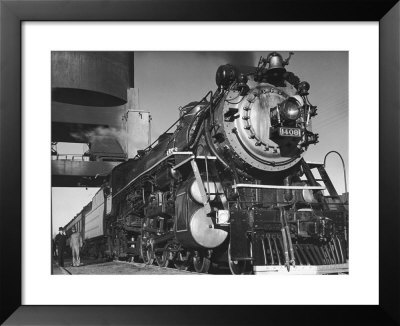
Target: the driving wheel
pixel 162 257
pixel 201 262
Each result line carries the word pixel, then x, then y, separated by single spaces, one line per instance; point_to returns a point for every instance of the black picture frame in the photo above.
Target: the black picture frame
pixel 14 12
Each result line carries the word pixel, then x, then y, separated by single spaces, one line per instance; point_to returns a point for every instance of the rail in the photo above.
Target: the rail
pixel 69 157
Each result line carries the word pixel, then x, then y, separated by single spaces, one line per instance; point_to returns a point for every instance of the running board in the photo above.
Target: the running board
pixel 246 185
pixel 302 269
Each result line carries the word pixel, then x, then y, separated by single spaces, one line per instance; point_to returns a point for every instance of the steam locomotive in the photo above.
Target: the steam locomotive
pixel 229 187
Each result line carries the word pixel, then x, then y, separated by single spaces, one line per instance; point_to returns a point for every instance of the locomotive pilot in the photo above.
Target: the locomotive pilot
pixel 75 244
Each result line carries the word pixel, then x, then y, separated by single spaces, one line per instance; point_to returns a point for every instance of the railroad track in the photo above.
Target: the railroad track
pixel 142 265
pixel 117 267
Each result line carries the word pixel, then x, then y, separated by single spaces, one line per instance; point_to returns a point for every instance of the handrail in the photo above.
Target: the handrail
pixel 245 185
pixel 344 167
pixel 150 168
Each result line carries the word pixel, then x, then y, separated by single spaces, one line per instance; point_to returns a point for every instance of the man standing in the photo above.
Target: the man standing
pixel 75 244
pixel 60 241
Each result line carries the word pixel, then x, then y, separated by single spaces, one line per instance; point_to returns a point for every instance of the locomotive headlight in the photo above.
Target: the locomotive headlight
pixel 223 216
pixel 291 107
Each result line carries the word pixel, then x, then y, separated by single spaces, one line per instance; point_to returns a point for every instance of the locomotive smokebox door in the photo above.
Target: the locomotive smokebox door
pixel 240 244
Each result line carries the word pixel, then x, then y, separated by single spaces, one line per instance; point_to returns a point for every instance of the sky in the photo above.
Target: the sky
pixel 168 80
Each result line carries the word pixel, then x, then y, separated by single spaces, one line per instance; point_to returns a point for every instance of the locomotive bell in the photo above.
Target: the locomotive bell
pixel 275 64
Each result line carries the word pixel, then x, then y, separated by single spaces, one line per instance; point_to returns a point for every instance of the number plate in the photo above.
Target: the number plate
pixel 289 132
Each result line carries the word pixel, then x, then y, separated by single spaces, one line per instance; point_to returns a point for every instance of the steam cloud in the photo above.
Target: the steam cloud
pixel 91 135
pixel 130 143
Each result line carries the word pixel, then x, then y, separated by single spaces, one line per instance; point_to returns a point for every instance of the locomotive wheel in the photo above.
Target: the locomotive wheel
pixel 162 257
pixel 238 267
pixel 201 263
pixel 180 263
pixel 146 252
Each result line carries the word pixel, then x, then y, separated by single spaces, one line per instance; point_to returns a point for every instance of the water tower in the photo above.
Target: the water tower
pixel 94 103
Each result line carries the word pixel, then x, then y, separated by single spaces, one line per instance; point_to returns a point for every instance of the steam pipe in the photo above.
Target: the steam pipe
pixel 180 118
pixel 211 145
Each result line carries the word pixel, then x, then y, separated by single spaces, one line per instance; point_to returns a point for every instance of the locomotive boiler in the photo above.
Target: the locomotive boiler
pixel 229 187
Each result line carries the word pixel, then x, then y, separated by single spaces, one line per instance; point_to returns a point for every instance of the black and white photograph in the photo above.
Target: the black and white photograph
pixel 199 162
pixel 206 149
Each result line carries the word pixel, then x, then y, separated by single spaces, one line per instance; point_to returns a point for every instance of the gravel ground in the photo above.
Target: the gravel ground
pixel 123 268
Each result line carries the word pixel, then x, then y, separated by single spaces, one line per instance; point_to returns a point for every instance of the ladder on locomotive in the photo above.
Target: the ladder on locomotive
pixel 208 166
pixel 219 191
pixel 333 198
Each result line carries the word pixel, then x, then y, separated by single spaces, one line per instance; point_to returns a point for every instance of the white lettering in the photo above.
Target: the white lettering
pixel 290 132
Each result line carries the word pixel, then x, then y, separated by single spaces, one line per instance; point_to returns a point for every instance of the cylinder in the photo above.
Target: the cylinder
pixel 91 78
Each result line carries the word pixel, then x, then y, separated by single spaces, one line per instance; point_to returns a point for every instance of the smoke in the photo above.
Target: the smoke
pixel 89 136
pixel 130 141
